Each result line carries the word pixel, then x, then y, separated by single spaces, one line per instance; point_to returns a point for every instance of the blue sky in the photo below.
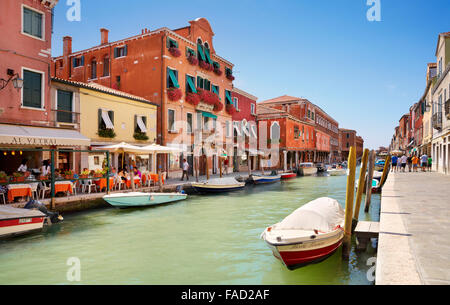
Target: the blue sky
pixel 364 74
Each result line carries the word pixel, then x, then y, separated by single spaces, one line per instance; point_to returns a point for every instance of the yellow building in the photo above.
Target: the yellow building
pixel 108 116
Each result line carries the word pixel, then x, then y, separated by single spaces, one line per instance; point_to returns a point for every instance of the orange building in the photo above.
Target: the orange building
pixel 179 70
pixel 347 139
pixel 296 137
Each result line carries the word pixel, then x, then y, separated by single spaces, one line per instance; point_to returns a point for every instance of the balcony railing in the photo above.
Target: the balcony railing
pixel 63 117
pixel 447 108
pixel 437 121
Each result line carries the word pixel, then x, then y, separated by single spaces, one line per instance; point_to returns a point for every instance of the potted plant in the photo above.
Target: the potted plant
pixel 229 74
pixel 68 175
pixel 193 98
pixel 140 136
pixel 84 174
pixel 231 109
pixel 175 52
pixel 3 177
pixel 218 106
pixel 105 171
pixel 107 133
pixel 174 94
pixel 192 60
pixel 98 173
pixel 204 65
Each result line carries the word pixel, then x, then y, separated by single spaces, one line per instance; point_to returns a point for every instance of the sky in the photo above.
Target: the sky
pixel 365 74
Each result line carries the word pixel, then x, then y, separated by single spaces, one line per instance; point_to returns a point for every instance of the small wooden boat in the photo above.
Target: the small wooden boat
pixel 337 171
pixel 265 179
pixel 285 176
pixel 307 169
pixel 308 235
pixel 137 199
pixel 219 185
pixel 379 165
pixel 15 221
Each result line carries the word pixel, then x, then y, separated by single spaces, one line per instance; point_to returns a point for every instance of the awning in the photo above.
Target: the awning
pixel 209 115
pixel 41 136
pixel 107 120
pixel 141 124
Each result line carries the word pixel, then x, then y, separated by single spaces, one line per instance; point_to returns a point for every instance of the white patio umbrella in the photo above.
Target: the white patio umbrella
pixel 159 149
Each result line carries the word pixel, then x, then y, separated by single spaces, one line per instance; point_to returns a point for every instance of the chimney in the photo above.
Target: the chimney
pixel 67 45
pixel 104 33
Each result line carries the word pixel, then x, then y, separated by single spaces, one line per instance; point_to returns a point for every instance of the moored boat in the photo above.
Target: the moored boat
pixel 337 171
pixel 285 176
pixel 307 169
pixel 138 199
pixel 379 165
pixel 309 235
pixel 14 221
pixel 266 179
pixel 219 185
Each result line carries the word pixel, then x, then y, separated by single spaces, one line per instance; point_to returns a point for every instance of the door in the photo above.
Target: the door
pixel 190 160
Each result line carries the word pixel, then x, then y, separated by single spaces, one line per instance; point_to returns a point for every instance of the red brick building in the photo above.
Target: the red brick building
pixel 297 140
pixel 179 70
pixel 347 139
pixel 245 131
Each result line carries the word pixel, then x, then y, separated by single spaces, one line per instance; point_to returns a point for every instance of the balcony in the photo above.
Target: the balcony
pixel 66 119
pixel 447 108
pixel 437 121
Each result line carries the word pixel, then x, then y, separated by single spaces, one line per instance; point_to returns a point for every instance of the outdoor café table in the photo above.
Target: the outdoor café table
pixel 18 190
pixel 102 183
pixel 137 181
pixel 63 187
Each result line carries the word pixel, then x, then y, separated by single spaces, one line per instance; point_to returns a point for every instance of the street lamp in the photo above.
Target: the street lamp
pixel 18 82
pixel 14 77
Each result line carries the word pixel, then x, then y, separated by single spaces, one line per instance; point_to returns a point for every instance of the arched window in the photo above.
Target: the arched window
pixel 93 69
pixel 275 131
pixel 199 41
pixel 207 45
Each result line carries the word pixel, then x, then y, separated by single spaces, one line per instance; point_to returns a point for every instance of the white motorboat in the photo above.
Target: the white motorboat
pixel 218 185
pixel 137 199
pixel 307 169
pixel 14 221
pixel 308 235
pixel 337 171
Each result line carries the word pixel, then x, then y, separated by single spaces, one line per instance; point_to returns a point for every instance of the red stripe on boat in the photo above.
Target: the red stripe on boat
pixel 20 221
pixel 291 258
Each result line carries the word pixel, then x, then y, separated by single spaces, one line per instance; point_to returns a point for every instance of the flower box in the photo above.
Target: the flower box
pixel 43 178
pixel 175 52
pixel 193 98
pixel 230 77
pixel 84 176
pixel 192 60
pixel 98 175
pixel 231 109
pixel 218 71
pixel 204 65
pixel 174 94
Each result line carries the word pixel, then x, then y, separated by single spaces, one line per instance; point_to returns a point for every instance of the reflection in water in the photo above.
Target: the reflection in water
pixel 202 240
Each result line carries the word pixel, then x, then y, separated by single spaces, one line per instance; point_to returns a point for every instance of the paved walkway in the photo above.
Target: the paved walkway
pixel 414 241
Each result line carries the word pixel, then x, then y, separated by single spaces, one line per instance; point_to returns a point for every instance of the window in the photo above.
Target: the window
pixel 296 132
pixel 172 78
pixel 140 123
pixel 93 69
pixel 32 22
pixel 190 52
pixel 32 89
pixel 275 131
pixel 207 85
pixel 348 145
pixel 199 121
pixel 200 82
pixel 309 113
pixel 200 52
pixel 312 115
pixel 121 51
pixel 64 106
pixel 189 122
pixel 171 43
pixel 171 120
pixel 236 102
pixel 78 61
pixel 105 119
pixel 106 66
pixel 348 135
pixel 215 89
pixel 252 109
pixel 190 84
pixel 228 97
pixel 228 127
pixel 228 71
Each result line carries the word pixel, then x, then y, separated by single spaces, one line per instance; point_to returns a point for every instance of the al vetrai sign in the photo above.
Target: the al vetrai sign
pixel 33 141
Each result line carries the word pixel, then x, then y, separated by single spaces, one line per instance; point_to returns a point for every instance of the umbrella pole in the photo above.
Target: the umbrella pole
pixel 133 187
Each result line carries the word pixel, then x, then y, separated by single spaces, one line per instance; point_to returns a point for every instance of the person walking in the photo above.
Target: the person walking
pixel 185 170
pixel 394 163
pixel 403 160
pixel 415 162
pixel 430 163
pixel 409 162
pixel 424 162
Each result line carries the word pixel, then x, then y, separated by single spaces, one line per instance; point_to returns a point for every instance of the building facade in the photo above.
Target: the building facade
pixel 348 138
pixel 427 101
pixel 184 76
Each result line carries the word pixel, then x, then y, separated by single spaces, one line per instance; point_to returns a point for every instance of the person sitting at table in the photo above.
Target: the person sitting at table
pixel 45 170
pixel 113 172
pixel 137 173
pixel 122 174
pixel 23 166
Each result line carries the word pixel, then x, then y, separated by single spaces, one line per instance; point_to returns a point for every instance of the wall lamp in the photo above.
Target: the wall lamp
pixel 14 77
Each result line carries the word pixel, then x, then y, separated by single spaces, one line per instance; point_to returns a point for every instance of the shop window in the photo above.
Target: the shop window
pixel 32 89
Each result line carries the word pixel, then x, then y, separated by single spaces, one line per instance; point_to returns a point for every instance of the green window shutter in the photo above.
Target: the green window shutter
pixel 64 104
pixel 36 24
pixel 208 56
pixel 200 82
pixel 216 65
pixel 207 85
pixel 200 51
pixel 27 21
pixel 191 84
pixel 214 90
pixel 135 123
pixel 111 116
pixel 189 52
pixel 101 124
pixel 32 89
pixel 173 78
pixel 228 97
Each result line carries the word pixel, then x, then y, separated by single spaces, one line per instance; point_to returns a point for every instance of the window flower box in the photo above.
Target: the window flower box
pixel 193 98
pixel 140 136
pixel 230 77
pixel 192 60
pixel 106 133
pixel 206 66
pixel 175 52
pixel 231 109
pixel 174 94
pixel 218 71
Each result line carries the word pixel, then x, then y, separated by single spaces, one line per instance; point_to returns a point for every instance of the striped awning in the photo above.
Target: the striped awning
pixel 41 136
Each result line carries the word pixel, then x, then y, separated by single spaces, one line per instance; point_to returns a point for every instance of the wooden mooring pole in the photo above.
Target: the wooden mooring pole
pixel 369 181
pixel 361 184
pixel 347 242
pixel 387 163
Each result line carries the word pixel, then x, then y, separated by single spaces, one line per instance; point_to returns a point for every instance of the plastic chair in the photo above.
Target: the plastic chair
pixel 88 185
pixel 43 189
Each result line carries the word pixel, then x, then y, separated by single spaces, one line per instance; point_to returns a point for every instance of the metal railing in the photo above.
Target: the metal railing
pixel 437 120
pixel 64 116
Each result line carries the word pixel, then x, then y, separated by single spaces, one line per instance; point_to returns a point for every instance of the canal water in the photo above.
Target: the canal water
pixel 203 240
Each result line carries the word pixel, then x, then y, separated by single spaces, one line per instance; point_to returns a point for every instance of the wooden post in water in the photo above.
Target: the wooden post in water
pixel 385 170
pixel 207 168
pixel 369 180
pixel 361 183
pixel 347 242
pixel 133 187
pixel 220 166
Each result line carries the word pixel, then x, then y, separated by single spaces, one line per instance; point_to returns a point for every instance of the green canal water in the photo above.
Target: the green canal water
pixel 203 240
